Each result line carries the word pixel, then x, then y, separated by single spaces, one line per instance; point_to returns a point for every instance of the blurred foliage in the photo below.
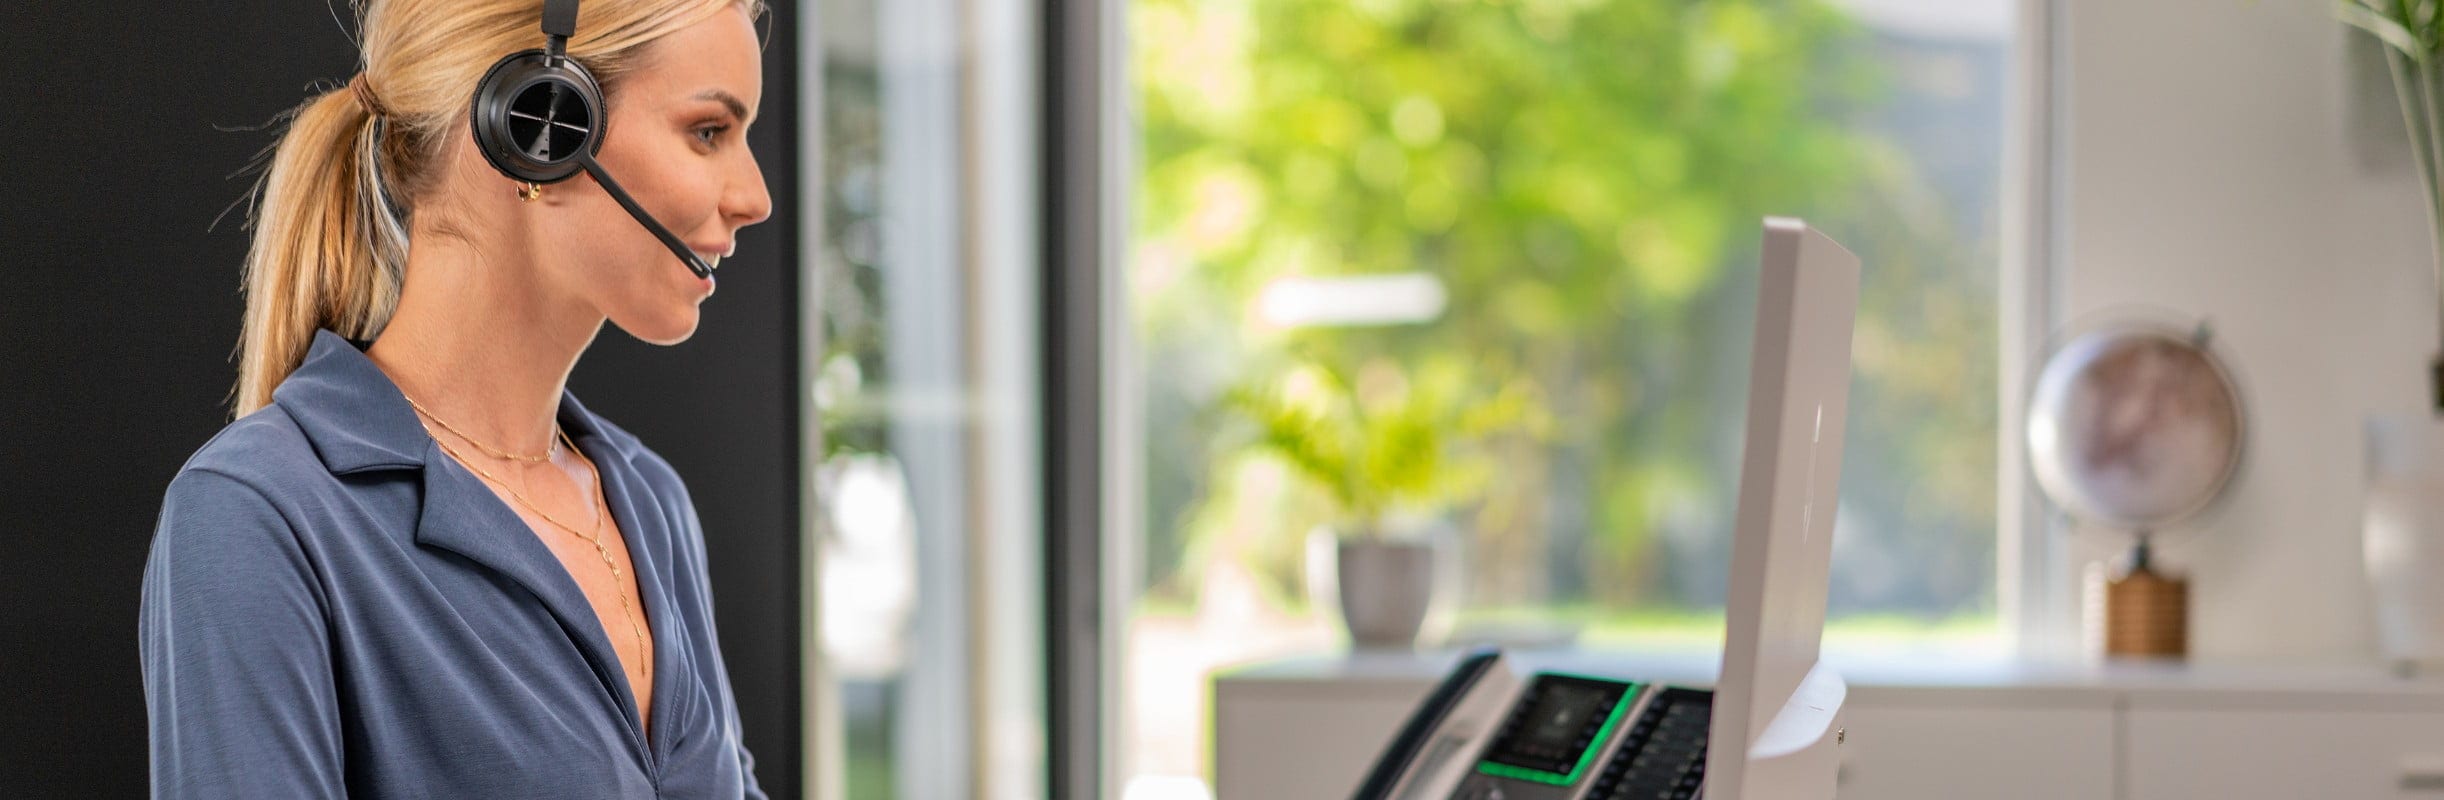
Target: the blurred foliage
pixel 1385 443
pixel 849 268
pixel 1585 177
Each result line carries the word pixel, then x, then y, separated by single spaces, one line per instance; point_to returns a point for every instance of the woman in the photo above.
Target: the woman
pixel 418 567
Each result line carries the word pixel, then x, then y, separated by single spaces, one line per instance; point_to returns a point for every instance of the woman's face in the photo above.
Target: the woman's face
pixel 677 142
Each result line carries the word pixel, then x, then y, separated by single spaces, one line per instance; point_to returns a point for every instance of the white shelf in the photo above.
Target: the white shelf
pixel 1876 674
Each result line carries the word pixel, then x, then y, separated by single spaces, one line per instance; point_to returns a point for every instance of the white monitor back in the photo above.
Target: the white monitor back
pixel 1775 718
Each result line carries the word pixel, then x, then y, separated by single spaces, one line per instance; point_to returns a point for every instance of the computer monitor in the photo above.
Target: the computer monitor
pixel 1770 727
pixel 1775 719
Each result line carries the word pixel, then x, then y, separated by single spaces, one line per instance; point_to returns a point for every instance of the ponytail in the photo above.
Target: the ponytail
pixel 327 251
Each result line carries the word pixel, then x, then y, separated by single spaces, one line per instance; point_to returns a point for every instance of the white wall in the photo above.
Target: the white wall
pixel 2218 164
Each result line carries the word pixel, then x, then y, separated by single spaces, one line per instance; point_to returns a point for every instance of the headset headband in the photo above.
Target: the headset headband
pixel 559 23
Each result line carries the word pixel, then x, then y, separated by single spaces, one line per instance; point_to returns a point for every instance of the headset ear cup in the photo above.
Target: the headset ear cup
pixel 531 117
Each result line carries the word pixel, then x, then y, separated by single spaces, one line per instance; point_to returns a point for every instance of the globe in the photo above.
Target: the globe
pixel 2134 426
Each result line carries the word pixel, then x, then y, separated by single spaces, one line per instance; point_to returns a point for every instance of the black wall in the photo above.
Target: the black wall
pixel 119 311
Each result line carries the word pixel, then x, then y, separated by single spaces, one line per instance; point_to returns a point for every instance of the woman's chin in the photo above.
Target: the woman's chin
pixel 666 328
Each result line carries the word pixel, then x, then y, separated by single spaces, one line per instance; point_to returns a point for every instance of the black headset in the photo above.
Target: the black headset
pixel 538 116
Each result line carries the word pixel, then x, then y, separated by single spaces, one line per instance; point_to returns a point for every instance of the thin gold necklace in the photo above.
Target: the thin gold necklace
pixel 550 449
pixel 620 583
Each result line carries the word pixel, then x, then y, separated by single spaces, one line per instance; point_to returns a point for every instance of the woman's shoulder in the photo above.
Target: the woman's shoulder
pixel 264 456
pixel 231 511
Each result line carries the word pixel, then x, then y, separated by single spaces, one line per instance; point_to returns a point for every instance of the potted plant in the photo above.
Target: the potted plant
pixel 1392 450
pixel 2403 525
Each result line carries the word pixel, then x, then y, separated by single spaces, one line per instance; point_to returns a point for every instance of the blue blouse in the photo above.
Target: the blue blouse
pixel 334 607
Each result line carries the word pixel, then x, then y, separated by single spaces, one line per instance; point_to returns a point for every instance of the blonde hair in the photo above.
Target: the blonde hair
pixel 330 231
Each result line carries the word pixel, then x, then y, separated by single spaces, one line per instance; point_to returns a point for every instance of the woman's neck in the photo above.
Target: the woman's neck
pixel 481 343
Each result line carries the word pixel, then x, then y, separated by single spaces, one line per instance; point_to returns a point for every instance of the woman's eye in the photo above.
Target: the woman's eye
pixel 708 133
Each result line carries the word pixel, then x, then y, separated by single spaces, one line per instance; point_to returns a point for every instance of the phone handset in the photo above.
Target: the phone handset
pixel 1418 733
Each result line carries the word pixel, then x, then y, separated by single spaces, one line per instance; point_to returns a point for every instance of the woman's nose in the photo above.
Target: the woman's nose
pixel 748 201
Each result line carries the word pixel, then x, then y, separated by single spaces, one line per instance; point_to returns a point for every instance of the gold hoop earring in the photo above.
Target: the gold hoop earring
pixel 530 192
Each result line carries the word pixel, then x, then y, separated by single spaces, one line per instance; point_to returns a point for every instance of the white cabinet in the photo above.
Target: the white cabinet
pixel 1929 730
pixel 2176 754
pixel 1992 753
pixel 1304 740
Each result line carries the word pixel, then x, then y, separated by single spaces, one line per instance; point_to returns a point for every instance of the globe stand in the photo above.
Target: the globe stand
pixel 2146 611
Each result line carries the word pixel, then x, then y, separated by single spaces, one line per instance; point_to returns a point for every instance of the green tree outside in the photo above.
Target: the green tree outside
pixel 1586 178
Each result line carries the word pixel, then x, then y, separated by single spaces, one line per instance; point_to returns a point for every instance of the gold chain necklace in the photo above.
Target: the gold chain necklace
pixel 550 449
pixel 620 583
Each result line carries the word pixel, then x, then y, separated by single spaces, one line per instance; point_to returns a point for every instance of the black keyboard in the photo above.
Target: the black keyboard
pixel 1663 756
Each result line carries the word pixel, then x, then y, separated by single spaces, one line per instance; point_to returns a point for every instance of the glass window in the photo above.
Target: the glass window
pixel 927 674
pixel 1486 269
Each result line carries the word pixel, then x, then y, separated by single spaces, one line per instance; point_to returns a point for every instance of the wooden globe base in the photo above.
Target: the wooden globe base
pixel 2147 615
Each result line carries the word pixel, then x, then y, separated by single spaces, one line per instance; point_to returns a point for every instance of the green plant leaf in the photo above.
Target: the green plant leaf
pixel 1304 437
pixel 2384 26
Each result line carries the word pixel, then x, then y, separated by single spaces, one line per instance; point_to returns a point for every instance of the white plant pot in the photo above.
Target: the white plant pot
pixel 1385 590
pixel 2403 537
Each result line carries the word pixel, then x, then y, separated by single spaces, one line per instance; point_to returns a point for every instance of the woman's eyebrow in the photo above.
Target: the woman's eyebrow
pixel 737 109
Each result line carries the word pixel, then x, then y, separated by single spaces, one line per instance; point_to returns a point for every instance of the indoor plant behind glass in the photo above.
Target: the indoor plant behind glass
pixel 1392 450
pixel 2403 526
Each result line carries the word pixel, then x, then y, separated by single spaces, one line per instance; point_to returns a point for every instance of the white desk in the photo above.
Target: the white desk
pixel 1309 727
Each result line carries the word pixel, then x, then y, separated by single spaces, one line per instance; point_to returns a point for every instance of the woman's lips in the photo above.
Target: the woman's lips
pixel 712 256
pixel 713 253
